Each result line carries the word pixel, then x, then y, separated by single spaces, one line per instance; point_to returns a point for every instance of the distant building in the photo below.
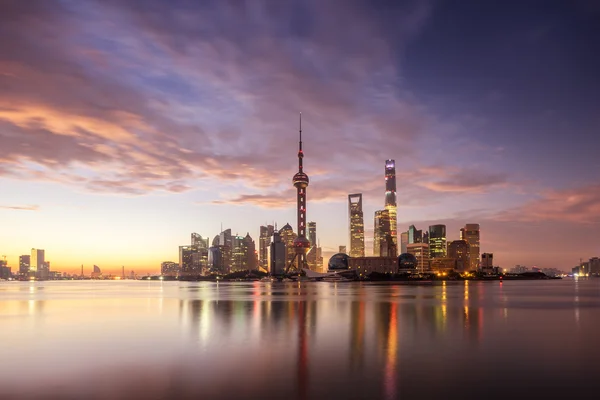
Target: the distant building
pixel 414 235
pixel 264 241
pixel 487 262
pixel 343 249
pixel 288 236
pixel 387 248
pixel 390 199
pixel 24 263
pixel 314 257
pixel 37 262
pixel 459 251
pixel 189 261
pixel 278 255
pixel 470 234
pixel 96 272
pixel 357 225
pixel 381 230
pixel 169 268
pixel 442 264
pixel 594 264
pixel 437 241
pixel 365 265
pixel 403 242
pixel 421 252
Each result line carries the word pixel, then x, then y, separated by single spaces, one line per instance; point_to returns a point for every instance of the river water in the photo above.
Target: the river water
pixel 312 340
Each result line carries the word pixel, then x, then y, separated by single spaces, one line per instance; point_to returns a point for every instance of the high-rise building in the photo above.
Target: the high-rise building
pixel 357 225
pixel 264 241
pixel 343 249
pixel 470 234
pixel 403 242
pixel 390 198
pixel 415 235
pixel 459 251
pixel 301 244
pixel 249 253
pixel 199 242
pixel 381 230
pixel 437 241
pixel 288 236
pixel 24 263
pixel 421 252
pixel 36 267
pixel 226 241
pixel 278 255
pixel 186 261
pixel 314 256
pixel 216 261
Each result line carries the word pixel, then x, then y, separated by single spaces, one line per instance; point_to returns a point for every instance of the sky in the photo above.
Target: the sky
pixel 127 125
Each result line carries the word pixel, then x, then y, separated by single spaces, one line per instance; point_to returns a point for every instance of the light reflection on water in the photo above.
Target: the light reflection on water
pixel 297 341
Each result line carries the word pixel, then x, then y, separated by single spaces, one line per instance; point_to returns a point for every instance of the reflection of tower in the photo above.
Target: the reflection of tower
pixel 390 198
pixel 300 180
pixel 391 354
pixel 357 225
pixel 302 351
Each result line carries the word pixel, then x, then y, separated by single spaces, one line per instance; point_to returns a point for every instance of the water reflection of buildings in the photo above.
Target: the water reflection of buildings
pixel 357 334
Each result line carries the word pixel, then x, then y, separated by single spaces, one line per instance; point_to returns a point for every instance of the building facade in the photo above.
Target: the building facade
pixel 421 252
pixel 390 199
pixel 403 242
pixel 365 265
pixel 459 251
pixel 357 225
pixel 437 241
pixel 471 234
pixel 288 236
pixel 381 230
pixel 278 260
pixel 264 241
pixel 24 263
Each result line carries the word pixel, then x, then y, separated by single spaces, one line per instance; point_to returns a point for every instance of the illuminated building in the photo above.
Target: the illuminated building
pixel 301 245
pixel 216 261
pixel 37 266
pixel 421 252
pixel 185 260
pixel 357 226
pixel 266 233
pixel 288 236
pixel 243 253
pixel 225 241
pixel 278 255
pixel 169 268
pixel 24 263
pixel 198 241
pixel 459 251
pixel 387 248
pixel 408 262
pixel 365 265
pixel 594 266
pixel 437 241
pixel 199 247
pixel 403 242
pixel 470 234
pixel 381 230
pixel 442 264
pixel 343 249
pixel 314 256
pixel 390 198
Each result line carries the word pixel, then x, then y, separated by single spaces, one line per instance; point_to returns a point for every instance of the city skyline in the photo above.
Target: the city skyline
pixel 119 140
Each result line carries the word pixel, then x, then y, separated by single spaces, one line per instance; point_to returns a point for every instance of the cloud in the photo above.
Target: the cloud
pixel 114 97
pixel 579 205
pixel 21 208
pixel 471 181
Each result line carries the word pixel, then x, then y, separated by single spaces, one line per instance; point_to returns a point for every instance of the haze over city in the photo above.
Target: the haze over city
pixel 125 126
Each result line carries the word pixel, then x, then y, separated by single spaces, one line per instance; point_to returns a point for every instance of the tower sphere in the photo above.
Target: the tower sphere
pixel 302 242
pixel 300 180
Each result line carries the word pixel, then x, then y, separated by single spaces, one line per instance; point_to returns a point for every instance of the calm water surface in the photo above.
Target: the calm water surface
pixel 163 340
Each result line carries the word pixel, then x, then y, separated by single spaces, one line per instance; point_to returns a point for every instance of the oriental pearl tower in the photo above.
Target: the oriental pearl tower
pixel 300 180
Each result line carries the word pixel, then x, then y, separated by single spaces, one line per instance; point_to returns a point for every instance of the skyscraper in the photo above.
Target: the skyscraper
pixel 24 263
pixel 390 198
pixel 403 242
pixel 288 236
pixel 437 241
pixel 314 256
pixel 278 258
pixel 415 235
pixel 470 234
pixel 37 261
pixel 357 226
pixel 381 230
pixel 300 180
pixel 459 251
pixel 264 241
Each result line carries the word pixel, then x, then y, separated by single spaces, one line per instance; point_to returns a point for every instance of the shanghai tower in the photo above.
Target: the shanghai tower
pixel 390 199
pixel 300 180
